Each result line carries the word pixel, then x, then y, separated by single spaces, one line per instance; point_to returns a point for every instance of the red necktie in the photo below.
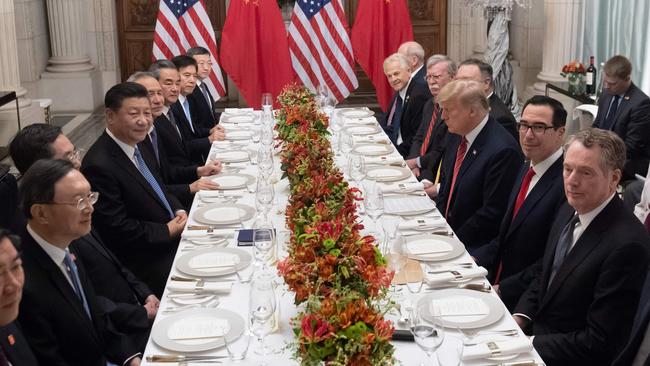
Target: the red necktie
pixel 522 191
pixel 427 138
pixel 460 156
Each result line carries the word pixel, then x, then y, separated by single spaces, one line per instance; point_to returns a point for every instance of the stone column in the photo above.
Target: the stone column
pixel 67 36
pixel 561 43
pixel 9 72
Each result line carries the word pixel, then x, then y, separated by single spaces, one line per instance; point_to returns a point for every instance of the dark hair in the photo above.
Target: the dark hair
pixel 160 64
pixel 37 185
pixel 32 143
pixel 484 67
pixel 619 67
pixel 116 95
pixel 559 113
pixel 198 50
pixel 184 61
pixel 13 239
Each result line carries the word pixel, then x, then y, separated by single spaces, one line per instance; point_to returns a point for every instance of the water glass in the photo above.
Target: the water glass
pixel 413 280
pixel 373 202
pixel 264 195
pixel 450 352
pixel 264 242
pixel 261 309
pixel 390 224
pixel 356 168
pixel 426 327
pixel 267 101
pixel 346 143
pixel 238 347
pixel 265 161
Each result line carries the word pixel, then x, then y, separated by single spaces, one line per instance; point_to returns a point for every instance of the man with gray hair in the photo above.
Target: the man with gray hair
pixel 403 119
pixel 415 55
pixel 479 167
pixel 580 308
pixel 428 144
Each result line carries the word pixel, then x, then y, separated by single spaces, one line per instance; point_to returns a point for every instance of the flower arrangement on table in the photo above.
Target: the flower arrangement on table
pixel 339 275
pixel 575 73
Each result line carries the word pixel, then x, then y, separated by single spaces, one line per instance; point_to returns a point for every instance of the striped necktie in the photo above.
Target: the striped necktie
pixel 146 173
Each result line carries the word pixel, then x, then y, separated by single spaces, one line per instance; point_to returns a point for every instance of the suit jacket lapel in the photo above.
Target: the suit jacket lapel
pixel 625 104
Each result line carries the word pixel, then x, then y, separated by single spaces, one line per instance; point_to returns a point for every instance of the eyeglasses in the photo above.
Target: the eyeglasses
pixel 538 128
pixel 433 77
pixel 83 202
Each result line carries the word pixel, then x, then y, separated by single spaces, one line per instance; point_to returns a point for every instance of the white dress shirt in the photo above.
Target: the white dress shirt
pixel 55 253
pixel 128 149
pixel 541 168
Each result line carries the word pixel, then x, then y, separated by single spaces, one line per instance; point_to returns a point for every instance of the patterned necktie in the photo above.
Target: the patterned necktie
pixel 146 173
pixel 460 156
pixel 563 245
pixel 523 191
pixel 71 268
pixel 172 120
pixel 427 137
pixel 186 109
pixel 611 114
pixel 206 94
pixel 153 135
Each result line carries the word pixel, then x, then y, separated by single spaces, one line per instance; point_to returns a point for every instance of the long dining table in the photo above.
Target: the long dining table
pixel 236 300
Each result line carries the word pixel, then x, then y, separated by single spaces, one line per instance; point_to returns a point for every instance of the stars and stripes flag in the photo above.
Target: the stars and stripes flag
pixel 181 25
pixel 321 52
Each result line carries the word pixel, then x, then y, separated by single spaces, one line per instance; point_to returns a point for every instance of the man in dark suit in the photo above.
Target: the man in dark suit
pixel 637 350
pixel 477 70
pixel 581 306
pixel 537 195
pixel 198 138
pixel 405 113
pixel 13 346
pixel 479 168
pixel 59 314
pixel 183 181
pixel 8 197
pixel 625 109
pixel 205 105
pixel 428 143
pixel 415 55
pixel 135 214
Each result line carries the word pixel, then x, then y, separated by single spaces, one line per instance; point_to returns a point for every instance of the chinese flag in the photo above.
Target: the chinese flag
pixel 379 28
pixel 255 50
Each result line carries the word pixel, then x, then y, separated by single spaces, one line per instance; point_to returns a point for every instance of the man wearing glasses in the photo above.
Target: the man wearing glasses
pixel 536 197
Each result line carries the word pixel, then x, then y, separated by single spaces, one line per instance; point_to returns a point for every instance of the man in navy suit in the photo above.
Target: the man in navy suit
pixel 580 308
pixel 637 349
pixel 405 111
pixel 537 195
pixel 479 168
pixel 13 346
pixel 625 109
pixel 205 104
pixel 415 55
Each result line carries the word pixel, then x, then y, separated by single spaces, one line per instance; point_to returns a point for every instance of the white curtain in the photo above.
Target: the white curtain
pixel 614 27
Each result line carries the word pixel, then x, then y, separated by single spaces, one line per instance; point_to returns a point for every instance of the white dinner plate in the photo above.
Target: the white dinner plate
pixel 431 247
pixel 233 156
pixel 233 180
pixel 238 118
pixel 388 173
pixel 356 113
pixel 235 135
pixel 363 130
pixel 373 149
pixel 223 213
pixel 197 330
pixel 465 309
pixel 212 262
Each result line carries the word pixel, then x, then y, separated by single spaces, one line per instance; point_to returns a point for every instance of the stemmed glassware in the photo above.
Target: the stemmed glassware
pixel 264 195
pixel 346 143
pixel 356 168
pixel 265 161
pixel 264 242
pixel 267 102
pixel 373 202
pixel 396 256
pixel 261 309
pixel 426 327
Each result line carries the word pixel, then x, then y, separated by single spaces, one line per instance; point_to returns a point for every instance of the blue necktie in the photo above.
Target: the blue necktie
pixel 186 109
pixel 395 121
pixel 611 114
pixel 146 173
pixel 71 268
pixel 154 143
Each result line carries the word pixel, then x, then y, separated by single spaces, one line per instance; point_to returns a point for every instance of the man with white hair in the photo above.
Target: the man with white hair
pixel 415 54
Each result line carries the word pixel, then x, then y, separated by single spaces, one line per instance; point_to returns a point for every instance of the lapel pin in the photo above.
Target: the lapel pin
pixel 11 340
pixel 474 152
pixel 627 97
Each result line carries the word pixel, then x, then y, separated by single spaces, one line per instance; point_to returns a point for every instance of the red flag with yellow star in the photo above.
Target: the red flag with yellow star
pixel 255 50
pixel 379 28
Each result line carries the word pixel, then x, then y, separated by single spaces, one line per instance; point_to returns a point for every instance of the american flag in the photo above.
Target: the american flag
pixel 181 25
pixel 321 53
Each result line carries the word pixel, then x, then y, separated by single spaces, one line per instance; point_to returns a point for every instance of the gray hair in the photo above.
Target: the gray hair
pixel 398 57
pixel 468 92
pixel 160 64
pixel 452 68
pixel 613 148
pixel 412 49
pixel 141 75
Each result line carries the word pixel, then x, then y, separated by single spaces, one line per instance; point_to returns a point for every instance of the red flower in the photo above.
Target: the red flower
pixel 315 329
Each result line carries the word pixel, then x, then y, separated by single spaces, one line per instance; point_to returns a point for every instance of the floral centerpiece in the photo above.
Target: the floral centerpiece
pixel 575 73
pixel 338 275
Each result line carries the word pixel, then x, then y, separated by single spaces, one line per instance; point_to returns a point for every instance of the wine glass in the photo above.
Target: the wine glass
pixel 264 195
pixel 329 104
pixel 267 101
pixel 261 309
pixel 357 168
pixel 346 143
pixel 373 202
pixel 396 256
pixel 264 242
pixel 265 161
pixel 426 327
pixel 266 137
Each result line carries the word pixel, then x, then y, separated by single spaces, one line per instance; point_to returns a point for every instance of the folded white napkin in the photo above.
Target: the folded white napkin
pixel 382 159
pixel 408 187
pixel 378 139
pixel 229 145
pixel 210 287
pixel 506 347
pixel 237 110
pixel 347 121
pixel 217 194
pixel 201 234
pixel 444 277
pixel 422 224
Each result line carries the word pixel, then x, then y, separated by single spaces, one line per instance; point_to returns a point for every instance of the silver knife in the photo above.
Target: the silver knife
pixel 181 358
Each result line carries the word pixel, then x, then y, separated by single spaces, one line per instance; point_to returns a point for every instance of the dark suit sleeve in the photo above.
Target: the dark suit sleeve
pixel 638 129
pixel 497 185
pixel 513 287
pixel 112 212
pixel 418 139
pixel 616 295
pixel 128 318
pixel 38 330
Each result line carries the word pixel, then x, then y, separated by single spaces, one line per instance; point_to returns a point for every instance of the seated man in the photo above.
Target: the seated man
pixel 59 314
pixel 479 168
pixel 637 349
pixel 205 106
pixel 403 119
pixel 13 346
pixel 129 302
pixel 135 215
pixel 580 307
pixel 625 109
